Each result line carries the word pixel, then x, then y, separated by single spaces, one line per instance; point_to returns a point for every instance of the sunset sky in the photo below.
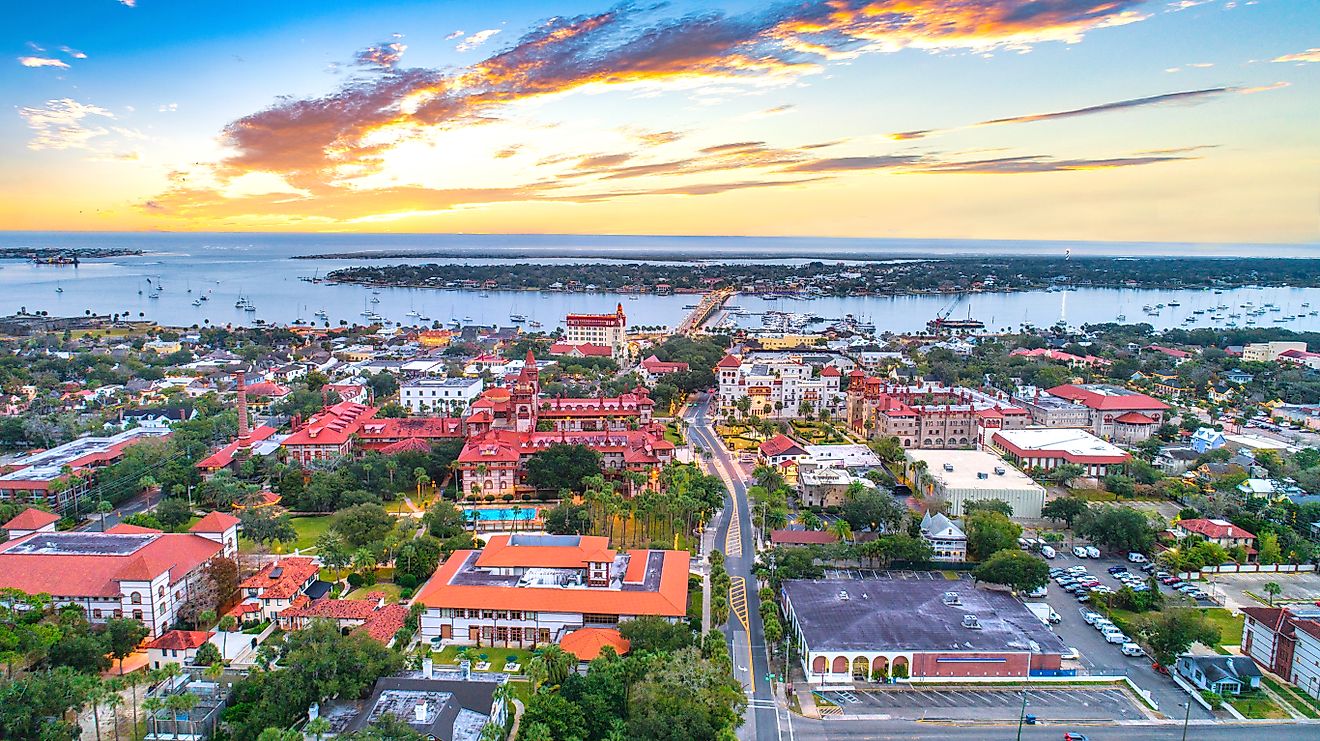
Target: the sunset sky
pixel 1193 120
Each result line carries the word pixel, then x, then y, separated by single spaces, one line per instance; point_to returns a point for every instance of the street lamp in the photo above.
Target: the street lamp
pixel 1023 715
pixel 1187 718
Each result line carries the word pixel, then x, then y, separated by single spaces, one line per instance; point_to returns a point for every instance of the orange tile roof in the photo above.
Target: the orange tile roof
pixel 384 623
pixel 214 522
pixel 124 528
pixel 181 640
pixel 586 643
pixel 31 519
pixel 669 600
pixel 500 553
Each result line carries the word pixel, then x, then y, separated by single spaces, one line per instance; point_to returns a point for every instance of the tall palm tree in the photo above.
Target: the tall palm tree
pixel 181 704
pixel 132 680
pixel 96 695
pixel 151 706
pixel 536 672
pixel 113 700
pixel 841 530
pixel 492 732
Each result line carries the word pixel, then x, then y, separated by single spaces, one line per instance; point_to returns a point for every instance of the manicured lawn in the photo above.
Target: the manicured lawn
pixel 308 529
pixel 496 656
pixel 1230 625
pixel 1301 702
pixel 1257 706
pixel 389 589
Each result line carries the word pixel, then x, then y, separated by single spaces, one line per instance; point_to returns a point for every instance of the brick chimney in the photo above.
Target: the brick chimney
pixel 244 432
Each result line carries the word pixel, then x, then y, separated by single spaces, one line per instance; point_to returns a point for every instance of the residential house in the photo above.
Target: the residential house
pixel 1206 439
pixel 1226 675
pixel 1222 532
pixel 780 449
pixel 948 543
pixel 653 369
pixel 176 647
pixel 275 587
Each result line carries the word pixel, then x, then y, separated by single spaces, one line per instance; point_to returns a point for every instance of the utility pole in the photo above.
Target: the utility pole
pixel 1187 718
pixel 1023 714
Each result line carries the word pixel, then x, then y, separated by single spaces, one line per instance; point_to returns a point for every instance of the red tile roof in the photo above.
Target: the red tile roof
pixel 1214 528
pixel 214 522
pixel 181 640
pixel 729 361
pixel 79 575
pixel 658 366
pixel 124 528
pixel 801 537
pixel 31 519
pixel 332 426
pixel 224 456
pixel 295 572
pixel 266 388
pixel 384 623
pixel 1134 418
pixel 388 430
pixel 830 371
pixel 779 445
pixel 586 643
pixel 585 349
pixel 1107 402
pixel 333 609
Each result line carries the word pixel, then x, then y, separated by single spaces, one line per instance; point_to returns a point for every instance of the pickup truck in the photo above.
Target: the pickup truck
pixel 1043 612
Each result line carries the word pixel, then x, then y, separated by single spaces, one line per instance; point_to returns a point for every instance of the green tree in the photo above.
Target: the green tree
pixel 207 654
pixel 989 533
pixel 1272 589
pixel 443 519
pixel 651 633
pixel 562 466
pixel 1172 631
pixel 988 505
pixel 871 509
pixel 1064 509
pixel 684 699
pixel 1064 473
pixel 262 525
pixel 1014 568
pixel 122 636
pixel 1120 529
pixel 173 512
pixel 1269 548
pixel 567 518
pixel 363 524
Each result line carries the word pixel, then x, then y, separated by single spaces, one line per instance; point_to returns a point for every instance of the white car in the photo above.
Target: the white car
pixel 1080 552
pixel 1092 551
pixel 1090 616
pixel 1132 649
pixel 1135 557
pixel 1070 654
pixel 1037 592
pixel 1117 637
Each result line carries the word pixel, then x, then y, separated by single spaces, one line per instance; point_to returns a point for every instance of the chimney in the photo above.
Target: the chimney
pixel 419 712
pixel 428 667
pixel 244 433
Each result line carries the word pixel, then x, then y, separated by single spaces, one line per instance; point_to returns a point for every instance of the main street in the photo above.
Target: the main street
pixel 734 536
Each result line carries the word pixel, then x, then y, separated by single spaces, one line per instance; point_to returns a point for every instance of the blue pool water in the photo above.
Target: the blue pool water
pixel 500 514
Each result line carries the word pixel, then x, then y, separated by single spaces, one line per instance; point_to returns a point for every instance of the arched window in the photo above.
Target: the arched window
pixel 840 665
pixel 880 666
pixel 818 665
pixel 135 598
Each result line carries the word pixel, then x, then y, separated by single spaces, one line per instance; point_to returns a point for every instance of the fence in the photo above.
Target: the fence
pixel 1249 568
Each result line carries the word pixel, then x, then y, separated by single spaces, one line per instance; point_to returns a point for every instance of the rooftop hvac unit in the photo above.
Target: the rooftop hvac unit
pixel 948 466
pixel 999 471
pixel 970 621
pixel 951 598
pixel 982 475
pixel 843 595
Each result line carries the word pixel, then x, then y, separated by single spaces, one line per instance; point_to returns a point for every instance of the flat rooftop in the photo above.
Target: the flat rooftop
pixel 459 383
pixel 47 465
pixel 910 615
pixel 81 544
pixel 966 465
pixel 1067 440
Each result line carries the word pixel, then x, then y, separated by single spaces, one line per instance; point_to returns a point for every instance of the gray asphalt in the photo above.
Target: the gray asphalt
pixel 830 730
pixel 746 646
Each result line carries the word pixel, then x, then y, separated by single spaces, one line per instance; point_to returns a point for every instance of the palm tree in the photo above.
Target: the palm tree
pixel 96 695
pixel 227 624
pixel 536 672
pixel 558 664
pixel 114 699
pixel 841 530
pixel 152 705
pixel 811 520
pixel 318 727
pixel 103 508
pixel 180 704
pixel 503 695
pixel 492 732
pixel 132 680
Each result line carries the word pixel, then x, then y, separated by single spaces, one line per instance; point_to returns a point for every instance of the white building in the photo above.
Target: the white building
pixel 445 396
pixel 960 476
pixel 526 590
pixel 948 543
pixel 778 386
pixel 609 330
pixel 125 572
pixel 1285 640
pixel 1048 448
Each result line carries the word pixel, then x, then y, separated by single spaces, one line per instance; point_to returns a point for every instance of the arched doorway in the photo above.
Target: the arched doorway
pixel 900 669
pixel 818 665
pixel 879 667
pixel 840 665
pixel 861 669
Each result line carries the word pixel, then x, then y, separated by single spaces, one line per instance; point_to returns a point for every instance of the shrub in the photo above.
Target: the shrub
pixel 406 581
pixel 356 580
pixel 900 671
pixel 405 593
pixel 1213 699
pixel 880 675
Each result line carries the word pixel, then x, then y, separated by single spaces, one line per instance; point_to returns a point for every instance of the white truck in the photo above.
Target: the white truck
pixel 1043 612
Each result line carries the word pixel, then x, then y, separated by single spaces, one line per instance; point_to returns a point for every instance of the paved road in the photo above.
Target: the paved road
pixel 1100 657
pixel 139 502
pixel 855 730
pixel 734 537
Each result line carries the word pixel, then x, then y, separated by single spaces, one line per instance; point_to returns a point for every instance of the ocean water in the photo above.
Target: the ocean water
pixel 261 268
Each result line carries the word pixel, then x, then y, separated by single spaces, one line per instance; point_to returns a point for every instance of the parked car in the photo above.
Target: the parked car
pixel 1075 737
pixel 1135 557
pixel 1092 551
pixel 1117 637
pixel 1048 552
pixel 1132 649
pixel 1037 592
pixel 1083 597
pixel 1070 654
pixel 1080 552
pixel 1090 616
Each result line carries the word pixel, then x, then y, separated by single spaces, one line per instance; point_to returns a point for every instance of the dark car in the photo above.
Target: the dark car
pixel 1075 737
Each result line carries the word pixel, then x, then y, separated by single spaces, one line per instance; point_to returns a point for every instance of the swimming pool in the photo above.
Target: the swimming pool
pixel 501 514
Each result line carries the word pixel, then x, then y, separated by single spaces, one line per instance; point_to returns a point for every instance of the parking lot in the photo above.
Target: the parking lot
pixel 1099 656
pixel 1232 589
pixel 877 574
pixel 1062 704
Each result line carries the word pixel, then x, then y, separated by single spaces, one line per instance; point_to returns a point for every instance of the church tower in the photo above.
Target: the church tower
pixel 525 397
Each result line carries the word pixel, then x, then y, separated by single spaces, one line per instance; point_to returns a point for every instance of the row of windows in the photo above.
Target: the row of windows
pixel 458 612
